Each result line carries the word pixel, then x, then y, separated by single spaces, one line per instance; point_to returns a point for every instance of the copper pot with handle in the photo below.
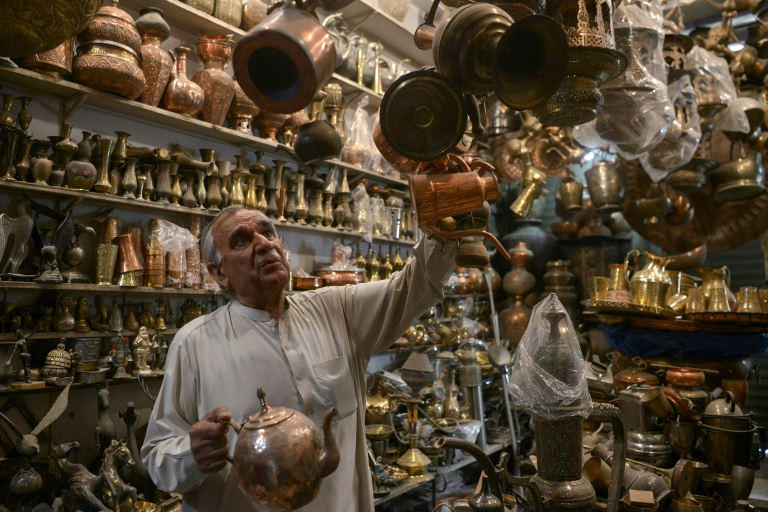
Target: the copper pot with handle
pixel 281 456
pixel 299 54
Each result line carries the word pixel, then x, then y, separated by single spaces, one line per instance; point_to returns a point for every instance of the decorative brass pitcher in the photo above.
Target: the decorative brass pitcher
pixel 715 286
pixel 650 284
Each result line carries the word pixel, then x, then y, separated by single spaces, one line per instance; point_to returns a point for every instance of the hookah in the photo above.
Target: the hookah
pixel 549 356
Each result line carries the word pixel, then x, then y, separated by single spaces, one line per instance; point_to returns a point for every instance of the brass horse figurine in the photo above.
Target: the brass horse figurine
pixel 116 456
pixel 81 486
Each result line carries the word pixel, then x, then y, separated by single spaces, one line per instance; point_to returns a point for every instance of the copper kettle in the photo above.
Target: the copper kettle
pixel 281 456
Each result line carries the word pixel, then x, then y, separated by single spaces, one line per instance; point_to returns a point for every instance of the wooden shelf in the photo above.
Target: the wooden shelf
pixel 78 385
pixel 145 206
pixel 109 289
pixel 184 17
pixel 72 93
pixel 9 337
pixel 380 26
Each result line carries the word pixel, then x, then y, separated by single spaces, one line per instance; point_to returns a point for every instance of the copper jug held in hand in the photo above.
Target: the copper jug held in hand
pixel 281 456
pixel 284 60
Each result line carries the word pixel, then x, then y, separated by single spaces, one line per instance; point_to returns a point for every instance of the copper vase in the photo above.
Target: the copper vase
pixel 242 110
pixel 182 95
pixel 218 86
pixel 155 62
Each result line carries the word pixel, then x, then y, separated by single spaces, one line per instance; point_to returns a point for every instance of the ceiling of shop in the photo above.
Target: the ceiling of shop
pixel 703 14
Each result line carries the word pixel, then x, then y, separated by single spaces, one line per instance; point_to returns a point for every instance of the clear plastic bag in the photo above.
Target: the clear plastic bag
pixel 357 148
pixel 636 112
pixel 548 377
pixel 172 238
pixel 362 218
pixel 713 85
pixel 683 137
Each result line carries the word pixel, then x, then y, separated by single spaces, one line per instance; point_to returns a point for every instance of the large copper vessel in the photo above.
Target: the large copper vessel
pixel 299 54
pixel 56 62
pixel 155 62
pixel 36 26
pixel 108 54
pixel 218 86
pixel 281 456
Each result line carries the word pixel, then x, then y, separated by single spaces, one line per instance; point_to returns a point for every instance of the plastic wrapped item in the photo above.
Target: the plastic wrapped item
pixel 713 85
pixel 172 238
pixel 361 212
pixel 683 136
pixel 357 148
pixel 340 255
pixel 636 112
pixel 375 161
pixel 548 377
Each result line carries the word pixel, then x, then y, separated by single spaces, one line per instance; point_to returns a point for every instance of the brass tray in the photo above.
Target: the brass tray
pixel 627 308
pixel 730 317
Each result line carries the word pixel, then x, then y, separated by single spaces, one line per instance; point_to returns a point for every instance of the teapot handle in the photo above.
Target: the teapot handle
pixel 731 401
pixel 232 423
pixel 634 260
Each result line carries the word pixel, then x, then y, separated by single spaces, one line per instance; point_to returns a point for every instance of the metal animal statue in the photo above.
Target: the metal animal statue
pixel 116 456
pixel 81 487
pixel 14 238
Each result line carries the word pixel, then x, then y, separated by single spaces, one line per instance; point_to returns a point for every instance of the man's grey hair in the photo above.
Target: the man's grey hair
pixel 208 249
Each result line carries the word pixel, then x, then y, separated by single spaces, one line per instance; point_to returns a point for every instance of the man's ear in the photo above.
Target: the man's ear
pixel 218 276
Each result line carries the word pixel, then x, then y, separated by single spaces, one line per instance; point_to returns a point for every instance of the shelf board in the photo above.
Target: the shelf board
pixel 6 338
pixel 144 206
pixel 380 26
pixel 79 385
pixel 352 91
pixel 108 103
pixel 187 18
pixel 111 289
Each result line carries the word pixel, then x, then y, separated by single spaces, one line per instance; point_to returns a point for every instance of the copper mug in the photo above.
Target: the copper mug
pixel 299 53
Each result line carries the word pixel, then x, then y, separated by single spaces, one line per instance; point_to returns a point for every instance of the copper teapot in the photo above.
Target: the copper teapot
pixel 281 456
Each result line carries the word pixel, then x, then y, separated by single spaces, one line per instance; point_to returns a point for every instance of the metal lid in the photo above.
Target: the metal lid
pixel 269 416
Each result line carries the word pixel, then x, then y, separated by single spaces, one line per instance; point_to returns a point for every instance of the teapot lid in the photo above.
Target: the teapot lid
pixel 269 416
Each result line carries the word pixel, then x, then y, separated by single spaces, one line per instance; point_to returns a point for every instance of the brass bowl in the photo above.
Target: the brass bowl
pixel 341 277
pixel 739 179
pixel 378 432
pixel 304 283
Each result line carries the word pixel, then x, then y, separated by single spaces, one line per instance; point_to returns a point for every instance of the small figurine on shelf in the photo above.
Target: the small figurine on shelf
pixel 50 269
pixel 58 364
pixel 99 321
pixel 141 349
pixel 20 343
pixel 121 349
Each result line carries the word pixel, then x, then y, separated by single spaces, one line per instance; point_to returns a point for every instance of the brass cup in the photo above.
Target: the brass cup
pixel 697 302
pixel 649 293
pixel 749 301
pixel 709 504
pixel 657 402
pixel 618 277
pixel 106 260
pixel 145 506
pixel 718 301
pixel 599 287
pixel 597 472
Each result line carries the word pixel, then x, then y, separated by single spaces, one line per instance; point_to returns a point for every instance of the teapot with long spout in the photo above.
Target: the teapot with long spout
pixel 281 457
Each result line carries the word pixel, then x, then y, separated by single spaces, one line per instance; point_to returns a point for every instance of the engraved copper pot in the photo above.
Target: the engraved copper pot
pixel 108 54
pixel 299 52
pixel 55 63
pixel 155 62
pixel 182 95
pixel 37 26
pixel 281 457
pixel 218 86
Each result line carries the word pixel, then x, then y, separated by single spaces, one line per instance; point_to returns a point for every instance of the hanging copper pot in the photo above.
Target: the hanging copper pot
pixel 423 116
pixel 299 54
pixel 401 164
pixel 481 48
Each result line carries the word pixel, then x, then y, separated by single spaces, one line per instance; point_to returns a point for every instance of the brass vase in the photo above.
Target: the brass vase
pixel 109 54
pixel 242 110
pixel 155 62
pixel 182 95
pixel 218 86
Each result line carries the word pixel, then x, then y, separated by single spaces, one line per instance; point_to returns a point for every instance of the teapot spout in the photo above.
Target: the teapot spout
pixel 329 457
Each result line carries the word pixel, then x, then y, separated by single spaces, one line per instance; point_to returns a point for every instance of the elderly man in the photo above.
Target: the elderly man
pixel 309 351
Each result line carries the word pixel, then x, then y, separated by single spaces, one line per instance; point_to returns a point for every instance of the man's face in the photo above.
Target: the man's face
pixel 253 263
